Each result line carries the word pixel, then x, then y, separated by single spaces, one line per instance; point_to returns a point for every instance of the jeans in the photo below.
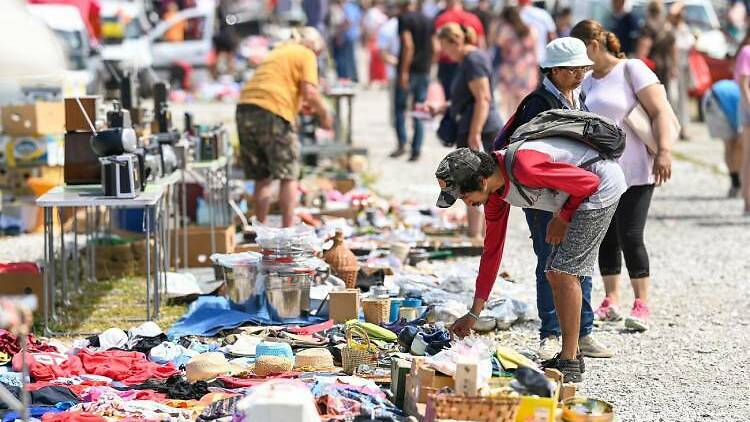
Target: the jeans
pixel 538 221
pixel 346 63
pixel 418 84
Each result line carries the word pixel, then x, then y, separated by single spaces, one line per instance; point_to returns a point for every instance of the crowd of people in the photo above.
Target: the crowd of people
pixel 498 72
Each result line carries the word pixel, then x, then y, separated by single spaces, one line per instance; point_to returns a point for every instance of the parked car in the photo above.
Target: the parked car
pixel 125 28
pixel 196 26
pixel 83 62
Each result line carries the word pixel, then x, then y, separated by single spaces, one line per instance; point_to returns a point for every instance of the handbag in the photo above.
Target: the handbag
pixel 640 123
pixel 447 131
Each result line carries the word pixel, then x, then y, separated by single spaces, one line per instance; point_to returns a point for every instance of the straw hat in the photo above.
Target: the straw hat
pixel 270 365
pixel 317 359
pixel 208 366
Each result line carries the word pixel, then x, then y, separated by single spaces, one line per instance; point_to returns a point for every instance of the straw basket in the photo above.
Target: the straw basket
pixel 356 353
pixel 349 276
pixel 377 310
pixel 342 260
pixel 480 409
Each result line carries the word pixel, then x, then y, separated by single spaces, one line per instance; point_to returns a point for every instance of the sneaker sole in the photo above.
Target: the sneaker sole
pixel 636 325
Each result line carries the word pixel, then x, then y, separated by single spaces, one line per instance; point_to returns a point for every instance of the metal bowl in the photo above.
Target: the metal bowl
pixel 485 324
pixel 582 409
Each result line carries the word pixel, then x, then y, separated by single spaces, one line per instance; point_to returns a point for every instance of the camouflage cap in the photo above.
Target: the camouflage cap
pixel 456 168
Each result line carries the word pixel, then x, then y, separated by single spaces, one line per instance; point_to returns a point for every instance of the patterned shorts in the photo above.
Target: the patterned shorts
pixel 577 253
pixel 269 147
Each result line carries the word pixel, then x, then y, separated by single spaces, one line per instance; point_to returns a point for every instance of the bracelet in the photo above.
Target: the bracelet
pixel 473 315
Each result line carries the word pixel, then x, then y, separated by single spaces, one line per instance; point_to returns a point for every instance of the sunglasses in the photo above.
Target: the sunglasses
pixel 576 69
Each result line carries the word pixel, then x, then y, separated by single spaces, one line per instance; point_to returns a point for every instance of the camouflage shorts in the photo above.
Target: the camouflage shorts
pixel 269 147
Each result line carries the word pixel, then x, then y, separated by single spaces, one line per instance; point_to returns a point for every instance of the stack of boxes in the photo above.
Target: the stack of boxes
pixel 82 166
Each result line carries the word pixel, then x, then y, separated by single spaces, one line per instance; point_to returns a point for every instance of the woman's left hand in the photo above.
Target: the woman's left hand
pixel 662 167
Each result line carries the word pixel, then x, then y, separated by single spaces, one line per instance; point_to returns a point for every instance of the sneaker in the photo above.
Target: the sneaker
pixel 549 347
pixel 591 348
pixel 552 363
pixel 398 152
pixel 570 368
pixel 413 158
pixel 638 317
pixel 607 311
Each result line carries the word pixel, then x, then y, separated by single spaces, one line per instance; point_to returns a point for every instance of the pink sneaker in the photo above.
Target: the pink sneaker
pixel 638 316
pixel 607 311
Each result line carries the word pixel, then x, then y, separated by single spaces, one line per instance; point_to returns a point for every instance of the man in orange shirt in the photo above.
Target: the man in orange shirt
pixel 266 119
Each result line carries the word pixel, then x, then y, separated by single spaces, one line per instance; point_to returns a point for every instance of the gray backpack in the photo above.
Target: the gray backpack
pixel 599 133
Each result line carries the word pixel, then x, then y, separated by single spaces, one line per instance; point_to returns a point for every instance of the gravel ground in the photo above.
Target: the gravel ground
pixel 693 363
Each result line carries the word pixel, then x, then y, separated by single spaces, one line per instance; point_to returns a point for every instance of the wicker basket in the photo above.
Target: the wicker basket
pixel 480 409
pixel 377 310
pixel 356 353
pixel 349 277
pixel 342 260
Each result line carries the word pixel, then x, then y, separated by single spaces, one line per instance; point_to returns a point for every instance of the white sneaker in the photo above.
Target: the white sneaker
pixel 549 347
pixel 591 348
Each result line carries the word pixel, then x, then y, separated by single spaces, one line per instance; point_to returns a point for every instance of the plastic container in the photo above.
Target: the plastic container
pixel 412 302
pixel 395 308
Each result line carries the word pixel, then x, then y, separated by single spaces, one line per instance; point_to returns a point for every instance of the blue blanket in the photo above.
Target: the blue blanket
pixel 208 315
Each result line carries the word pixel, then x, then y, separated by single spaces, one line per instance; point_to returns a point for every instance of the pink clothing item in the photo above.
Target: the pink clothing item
pixel 95 393
pixel 517 73
pixel 612 97
pixel 312 329
pixel 127 367
pixel 72 417
pixel 742 63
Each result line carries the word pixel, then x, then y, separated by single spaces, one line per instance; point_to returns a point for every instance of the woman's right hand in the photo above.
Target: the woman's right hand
pixel 662 167
pixel 462 327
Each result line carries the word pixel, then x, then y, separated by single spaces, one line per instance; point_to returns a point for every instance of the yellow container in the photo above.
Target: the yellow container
pixel 532 408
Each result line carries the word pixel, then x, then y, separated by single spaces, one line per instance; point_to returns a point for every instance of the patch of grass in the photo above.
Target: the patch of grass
pixel 110 303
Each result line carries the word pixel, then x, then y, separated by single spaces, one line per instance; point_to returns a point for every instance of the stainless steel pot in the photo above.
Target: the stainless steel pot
pixel 288 290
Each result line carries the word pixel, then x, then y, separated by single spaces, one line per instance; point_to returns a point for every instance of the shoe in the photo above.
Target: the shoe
pixel 734 192
pixel 549 347
pixel 637 321
pixel 572 369
pixel 591 348
pixel 437 342
pixel 552 363
pixel 413 158
pixel 607 311
pixel 398 152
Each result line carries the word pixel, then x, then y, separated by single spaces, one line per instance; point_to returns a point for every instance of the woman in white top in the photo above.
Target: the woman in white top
pixel 613 89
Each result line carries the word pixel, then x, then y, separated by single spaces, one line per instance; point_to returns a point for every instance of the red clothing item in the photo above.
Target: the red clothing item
pixel 533 169
pixel 127 367
pixel 46 366
pixel 460 16
pixel 72 417
pixel 9 344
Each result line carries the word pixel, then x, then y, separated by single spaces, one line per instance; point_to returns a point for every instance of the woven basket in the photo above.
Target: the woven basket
pixel 271 365
pixel 479 409
pixel 349 277
pixel 356 353
pixel 342 260
pixel 377 310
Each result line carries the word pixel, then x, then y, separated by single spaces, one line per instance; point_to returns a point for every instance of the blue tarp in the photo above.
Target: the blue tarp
pixel 208 315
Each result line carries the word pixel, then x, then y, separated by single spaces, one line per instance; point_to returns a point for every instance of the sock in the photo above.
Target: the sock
pixel 735 179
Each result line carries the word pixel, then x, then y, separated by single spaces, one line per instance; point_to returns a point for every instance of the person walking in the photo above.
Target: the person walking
pixel 684 42
pixel 414 62
pixel 472 104
pixel 583 201
pixel 742 76
pixel 542 22
pixel 721 105
pixel 565 67
pixel 614 88
pixel 374 19
pixel 624 24
pixel 345 19
pixel 517 74
pixel 454 13
pixel 266 116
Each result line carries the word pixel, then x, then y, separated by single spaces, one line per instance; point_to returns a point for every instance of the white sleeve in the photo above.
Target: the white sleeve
pixel 551 27
pixel 640 75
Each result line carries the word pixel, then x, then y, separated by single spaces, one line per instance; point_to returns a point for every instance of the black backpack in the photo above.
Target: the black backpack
pixel 512 124
pixel 599 133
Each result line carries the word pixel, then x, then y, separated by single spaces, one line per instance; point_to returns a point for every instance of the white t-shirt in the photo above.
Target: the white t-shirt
pixel 611 97
pixel 388 40
pixel 542 22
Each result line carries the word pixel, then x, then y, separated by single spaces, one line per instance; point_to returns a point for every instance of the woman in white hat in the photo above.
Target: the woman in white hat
pixel 564 68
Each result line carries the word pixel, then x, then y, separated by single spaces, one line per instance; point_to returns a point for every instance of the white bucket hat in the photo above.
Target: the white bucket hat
pixel 564 52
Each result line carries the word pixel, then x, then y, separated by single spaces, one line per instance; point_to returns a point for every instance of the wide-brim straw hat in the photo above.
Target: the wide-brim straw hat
pixel 272 365
pixel 209 366
pixel 314 360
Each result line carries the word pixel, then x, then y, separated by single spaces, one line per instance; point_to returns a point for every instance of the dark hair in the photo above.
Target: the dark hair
pixel 565 11
pixel 590 30
pixel 511 16
pixel 486 169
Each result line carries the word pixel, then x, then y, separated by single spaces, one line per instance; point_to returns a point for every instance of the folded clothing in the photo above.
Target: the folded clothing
pixel 126 367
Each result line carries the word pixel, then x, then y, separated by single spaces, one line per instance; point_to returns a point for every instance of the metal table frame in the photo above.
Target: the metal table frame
pixel 87 196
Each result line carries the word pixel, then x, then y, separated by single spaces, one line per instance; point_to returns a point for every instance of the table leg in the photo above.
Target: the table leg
pixel 76 268
pixel 337 121
pixel 349 112
pixel 49 263
pixel 211 209
pixel 186 223
pixel 63 261
pixel 147 217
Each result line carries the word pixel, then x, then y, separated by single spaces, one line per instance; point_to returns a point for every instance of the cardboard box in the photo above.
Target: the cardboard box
pixel 82 166
pixel 40 118
pixel 26 151
pixel 22 284
pixel 75 121
pixel 199 244
pixel 344 305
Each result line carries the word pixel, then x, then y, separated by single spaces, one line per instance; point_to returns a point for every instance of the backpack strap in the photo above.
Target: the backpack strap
pixel 509 160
